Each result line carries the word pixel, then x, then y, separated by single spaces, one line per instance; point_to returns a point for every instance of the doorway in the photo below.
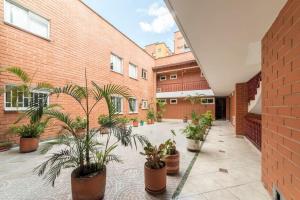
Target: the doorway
pixel 220 108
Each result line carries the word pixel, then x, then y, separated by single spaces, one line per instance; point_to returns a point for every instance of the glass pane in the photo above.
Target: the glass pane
pixel 38 25
pixel 19 17
pixel 7 11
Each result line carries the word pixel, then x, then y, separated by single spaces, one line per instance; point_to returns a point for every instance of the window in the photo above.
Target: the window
pixel 144 104
pixel 133 106
pixel 163 78
pixel 144 74
pixel 162 100
pixel 118 103
pixel 25 19
pixel 207 101
pixel 173 76
pixel 133 72
pixel 116 63
pixel 173 101
pixel 18 100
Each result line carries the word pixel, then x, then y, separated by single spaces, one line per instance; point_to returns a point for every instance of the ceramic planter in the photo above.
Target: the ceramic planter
pixel 28 144
pixel 135 123
pixel 193 145
pixel 172 163
pixel 155 180
pixel 88 188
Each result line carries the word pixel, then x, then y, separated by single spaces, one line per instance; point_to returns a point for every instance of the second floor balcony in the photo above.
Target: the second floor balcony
pixel 173 87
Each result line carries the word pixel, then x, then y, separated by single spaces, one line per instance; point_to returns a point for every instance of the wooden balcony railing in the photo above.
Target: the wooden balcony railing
pixel 253 84
pixel 199 85
pixel 253 129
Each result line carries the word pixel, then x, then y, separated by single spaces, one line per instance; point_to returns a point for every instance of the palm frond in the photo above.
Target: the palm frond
pixel 44 85
pixel 75 91
pixel 21 74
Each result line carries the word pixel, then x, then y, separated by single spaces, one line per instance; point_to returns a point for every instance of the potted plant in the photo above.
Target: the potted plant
pixel 155 169
pixel 142 122
pixel 135 122
pixel 150 116
pixel 172 155
pixel 195 118
pixel 5 145
pixel 88 156
pixel 194 134
pixel 123 121
pixel 161 108
pixel 206 119
pixel 185 119
pixel 80 126
pixel 104 122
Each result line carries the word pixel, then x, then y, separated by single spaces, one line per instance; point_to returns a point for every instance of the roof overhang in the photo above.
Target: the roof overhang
pixel 183 94
pixel 225 36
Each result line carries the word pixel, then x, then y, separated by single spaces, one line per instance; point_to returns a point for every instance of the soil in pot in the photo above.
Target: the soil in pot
pixel 172 163
pixel 28 144
pixel 90 187
pixel 155 179
pixel 193 145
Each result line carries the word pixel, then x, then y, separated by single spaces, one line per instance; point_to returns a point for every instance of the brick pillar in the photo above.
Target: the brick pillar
pixel 241 107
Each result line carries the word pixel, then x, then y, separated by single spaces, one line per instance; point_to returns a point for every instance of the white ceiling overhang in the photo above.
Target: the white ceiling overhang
pixel 225 36
pixel 182 94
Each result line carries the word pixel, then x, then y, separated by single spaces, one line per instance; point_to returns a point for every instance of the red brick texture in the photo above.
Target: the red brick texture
pixel 185 108
pixel 79 39
pixel 241 107
pixel 232 108
pixel 281 103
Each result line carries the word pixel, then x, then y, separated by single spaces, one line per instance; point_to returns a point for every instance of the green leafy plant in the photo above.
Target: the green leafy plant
pixel 154 155
pixel 80 123
pixel 161 109
pixel 151 114
pixel 104 120
pixel 170 145
pixel 194 132
pixel 206 118
pixel 87 154
pixel 123 120
pixel 195 117
pixel 134 119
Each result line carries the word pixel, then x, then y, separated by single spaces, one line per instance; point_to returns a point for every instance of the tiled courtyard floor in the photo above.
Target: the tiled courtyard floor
pixel 125 181
pixel 242 162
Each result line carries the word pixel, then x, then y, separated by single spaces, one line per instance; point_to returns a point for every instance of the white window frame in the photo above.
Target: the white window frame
pixel 206 98
pixel 162 100
pixel 22 108
pixel 146 74
pixel 162 79
pixel 136 71
pixel 112 55
pixel 173 100
pixel 173 76
pixel 116 96
pixel 31 17
pixel 136 105
pixel 143 105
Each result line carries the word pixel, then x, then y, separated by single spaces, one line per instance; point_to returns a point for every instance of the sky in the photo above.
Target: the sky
pixel 143 21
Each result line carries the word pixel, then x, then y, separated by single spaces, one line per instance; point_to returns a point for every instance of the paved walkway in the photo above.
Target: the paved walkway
pixel 126 181
pixel 227 169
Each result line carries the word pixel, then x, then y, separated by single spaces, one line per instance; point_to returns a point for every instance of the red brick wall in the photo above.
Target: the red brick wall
pixel 232 108
pixel 79 39
pixel 241 107
pixel 281 103
pixel 185 108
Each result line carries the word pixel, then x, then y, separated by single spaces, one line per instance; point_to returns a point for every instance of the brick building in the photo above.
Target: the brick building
pixel 158 50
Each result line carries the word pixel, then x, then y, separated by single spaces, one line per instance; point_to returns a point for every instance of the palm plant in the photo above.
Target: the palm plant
pixel 87 154
pixel 161 109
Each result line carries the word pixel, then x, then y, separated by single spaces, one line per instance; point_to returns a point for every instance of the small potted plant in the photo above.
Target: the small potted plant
pixel 135 122
pixel 194 135
pixel 150 116
pixel 185 119
pixel 80 126
pixel 5 145
pixel 206 119
pixel 195 118
pixel 142 122
pixel 161 108
pixel 103 121
pixel 122 121
pixel 155 169
pixel 172 155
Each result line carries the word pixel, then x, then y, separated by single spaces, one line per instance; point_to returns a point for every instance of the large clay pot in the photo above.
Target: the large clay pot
pixel 88 188
pixel 28 144
pixel 172 163
pixel 193 145
pixel 155 180
pixel 150 121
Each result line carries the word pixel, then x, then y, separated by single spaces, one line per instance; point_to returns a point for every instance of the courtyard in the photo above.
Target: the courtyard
pixel 226 168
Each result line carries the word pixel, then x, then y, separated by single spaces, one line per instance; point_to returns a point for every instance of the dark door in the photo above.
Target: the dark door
pixel 220 108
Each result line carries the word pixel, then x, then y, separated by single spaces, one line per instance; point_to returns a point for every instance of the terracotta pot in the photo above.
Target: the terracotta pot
pixel 135 123
pixel 193 145
pixel 88 188
pixel 150 121
pixel 172 163
pixel 28 144
pixel 155 180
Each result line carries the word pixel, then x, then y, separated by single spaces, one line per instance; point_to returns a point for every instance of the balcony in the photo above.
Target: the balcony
pixel 174 87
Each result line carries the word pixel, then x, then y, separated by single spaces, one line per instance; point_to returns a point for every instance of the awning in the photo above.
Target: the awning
pixel 182 94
